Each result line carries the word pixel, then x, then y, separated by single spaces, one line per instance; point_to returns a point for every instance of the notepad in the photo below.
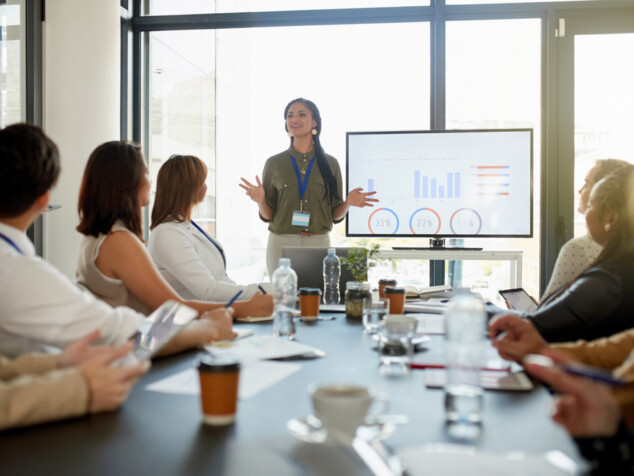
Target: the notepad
pixel 511 381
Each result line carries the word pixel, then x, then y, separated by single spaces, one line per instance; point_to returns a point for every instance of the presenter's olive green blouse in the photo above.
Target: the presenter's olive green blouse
pixel 282 193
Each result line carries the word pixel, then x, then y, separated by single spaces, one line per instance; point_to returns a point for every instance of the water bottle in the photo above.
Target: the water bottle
pixel 332 272
pixel 284 282
pixel 465 327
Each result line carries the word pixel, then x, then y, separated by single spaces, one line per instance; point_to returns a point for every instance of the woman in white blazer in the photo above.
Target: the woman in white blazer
pixel 191 260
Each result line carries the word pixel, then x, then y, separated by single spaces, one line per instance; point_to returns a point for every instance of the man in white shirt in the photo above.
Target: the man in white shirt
pixel 40 306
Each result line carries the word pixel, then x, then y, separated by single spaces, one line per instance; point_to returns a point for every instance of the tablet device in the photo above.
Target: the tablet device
pixel 159 328
pixel 519 299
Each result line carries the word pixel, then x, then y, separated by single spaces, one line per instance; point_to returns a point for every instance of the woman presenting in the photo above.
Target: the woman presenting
pixel 300 195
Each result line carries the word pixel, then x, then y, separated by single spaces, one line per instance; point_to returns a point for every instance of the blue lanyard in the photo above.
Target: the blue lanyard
pixel 222 253
pixel 6 238
pixel 302 184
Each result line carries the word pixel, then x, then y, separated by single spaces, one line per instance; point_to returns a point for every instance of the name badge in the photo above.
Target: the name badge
pixel 300 218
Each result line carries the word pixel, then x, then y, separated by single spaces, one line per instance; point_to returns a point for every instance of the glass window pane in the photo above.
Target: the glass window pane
pixel 182 106
pixel 494 84
pixel 604 101
pixel 170 7
pixel 12 79
pixel 488 2
pixel 222 94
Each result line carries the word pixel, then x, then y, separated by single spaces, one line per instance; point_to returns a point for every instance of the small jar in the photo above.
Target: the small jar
pixel 357 292
pixel 396 296
pixel 309 299
pixel 383 283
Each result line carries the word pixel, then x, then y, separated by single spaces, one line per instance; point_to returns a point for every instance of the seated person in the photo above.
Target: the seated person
pixel 577 254
pixel 588 412
pixel 600 302
pixel 40 306
pixel 515 337
pixel 113 262
pixel 190 260
pixel 36 388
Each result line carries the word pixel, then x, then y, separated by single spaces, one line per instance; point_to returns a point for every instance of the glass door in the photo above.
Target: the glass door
pixel 596 100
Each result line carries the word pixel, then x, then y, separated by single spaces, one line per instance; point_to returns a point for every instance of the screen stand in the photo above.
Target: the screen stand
pixel 436 243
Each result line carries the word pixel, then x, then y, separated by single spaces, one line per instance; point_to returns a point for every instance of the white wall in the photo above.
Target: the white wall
pixel 81 105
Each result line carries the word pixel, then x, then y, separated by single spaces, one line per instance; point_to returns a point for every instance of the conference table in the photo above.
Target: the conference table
pixel 156 433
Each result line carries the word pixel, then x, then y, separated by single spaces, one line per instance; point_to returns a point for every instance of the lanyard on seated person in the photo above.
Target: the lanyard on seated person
pixel 222 253
pixel 302 184
pixel 6 238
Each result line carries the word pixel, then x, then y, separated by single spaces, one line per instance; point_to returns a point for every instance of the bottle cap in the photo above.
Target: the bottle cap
pixel 284 262
pixel 332 251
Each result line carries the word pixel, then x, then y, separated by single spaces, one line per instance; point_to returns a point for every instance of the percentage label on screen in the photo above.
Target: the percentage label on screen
pixel 465 221
pixel 424 221
pixel 383 221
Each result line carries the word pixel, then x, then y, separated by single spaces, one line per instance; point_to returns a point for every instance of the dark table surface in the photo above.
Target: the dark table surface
pixel 155 433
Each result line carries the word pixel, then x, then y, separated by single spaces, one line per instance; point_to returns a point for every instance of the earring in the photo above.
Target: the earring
pixel 314 132
pixel 607 227
pixel 290 134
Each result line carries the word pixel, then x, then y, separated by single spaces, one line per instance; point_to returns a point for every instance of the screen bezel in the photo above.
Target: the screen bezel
pixel 430 235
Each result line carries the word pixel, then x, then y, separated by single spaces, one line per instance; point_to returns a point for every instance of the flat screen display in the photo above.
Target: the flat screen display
pixel 454 183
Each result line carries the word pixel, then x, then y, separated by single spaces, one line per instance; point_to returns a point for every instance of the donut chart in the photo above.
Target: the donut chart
pixel 425 221
pixel 383 221
pixel 465 221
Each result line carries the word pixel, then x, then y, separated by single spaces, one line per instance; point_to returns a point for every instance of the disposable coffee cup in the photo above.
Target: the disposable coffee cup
pixel 309 299
pixel 396 296
pixel 383 283
pixel 219 379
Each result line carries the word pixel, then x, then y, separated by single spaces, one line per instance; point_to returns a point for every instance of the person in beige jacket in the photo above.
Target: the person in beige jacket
pixel 36 388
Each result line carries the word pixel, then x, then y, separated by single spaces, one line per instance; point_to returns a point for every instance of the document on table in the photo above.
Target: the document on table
pixel 261 348
pixel 430 323
pixel 434 305
pixel 255 376
pixel 444 459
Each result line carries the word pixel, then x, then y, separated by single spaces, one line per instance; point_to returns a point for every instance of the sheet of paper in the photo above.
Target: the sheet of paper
pixel 260 348
pixel 424 306
pixel 255 376
pixel 428 459
pixel 430 323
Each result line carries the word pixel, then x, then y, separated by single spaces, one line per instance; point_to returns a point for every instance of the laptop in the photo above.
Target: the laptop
pixel 308 263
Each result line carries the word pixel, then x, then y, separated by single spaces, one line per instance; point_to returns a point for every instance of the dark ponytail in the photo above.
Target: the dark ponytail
pixel 320 156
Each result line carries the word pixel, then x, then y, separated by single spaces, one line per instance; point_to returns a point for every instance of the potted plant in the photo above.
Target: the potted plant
pixel 358 291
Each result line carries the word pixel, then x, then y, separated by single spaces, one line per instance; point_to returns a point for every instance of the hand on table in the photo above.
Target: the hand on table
pixel 254 191
pixel 357 198
pixel 214 325
pixel 514 337
pixel 260 305
pixel 586 408
pixel 80 351
pixel 109 386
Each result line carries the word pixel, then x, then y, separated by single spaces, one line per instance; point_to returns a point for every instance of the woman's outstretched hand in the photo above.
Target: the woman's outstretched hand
pixel 254 191
pixel 357 198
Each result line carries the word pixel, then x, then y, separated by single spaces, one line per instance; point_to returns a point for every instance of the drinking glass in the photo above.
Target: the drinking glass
pixel 373 314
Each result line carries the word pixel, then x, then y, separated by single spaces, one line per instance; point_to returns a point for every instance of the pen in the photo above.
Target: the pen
pixel 580 370
pixel 234 298
pixel 261 289
pixel 414 365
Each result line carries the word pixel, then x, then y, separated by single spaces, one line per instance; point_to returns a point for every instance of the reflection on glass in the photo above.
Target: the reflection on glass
pixel 170 7
pixel 221 95
pixel 604 101
pixel 11 64
pixel 494 84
